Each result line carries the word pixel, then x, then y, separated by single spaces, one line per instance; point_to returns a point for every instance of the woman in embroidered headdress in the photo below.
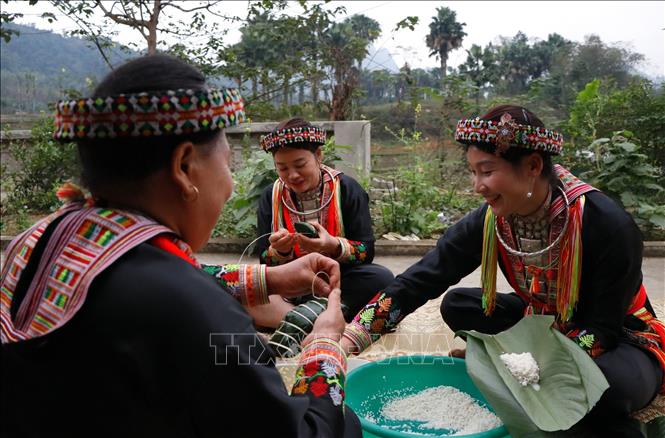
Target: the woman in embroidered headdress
pixel 110 327
pixel 566 249
pixel 334 204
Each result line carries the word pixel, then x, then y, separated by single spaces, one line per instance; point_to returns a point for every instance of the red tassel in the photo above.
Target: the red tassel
pixel 70 192
pixel 535 285
pixel 535 279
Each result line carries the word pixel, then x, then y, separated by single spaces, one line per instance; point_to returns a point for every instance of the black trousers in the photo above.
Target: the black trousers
pixel 359 283
pixel 352 426
pixel 634 375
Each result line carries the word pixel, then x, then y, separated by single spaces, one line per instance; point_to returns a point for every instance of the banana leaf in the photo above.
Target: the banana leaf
pixel 570 381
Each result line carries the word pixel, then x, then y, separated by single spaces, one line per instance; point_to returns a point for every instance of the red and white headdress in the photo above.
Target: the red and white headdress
pixel 508 133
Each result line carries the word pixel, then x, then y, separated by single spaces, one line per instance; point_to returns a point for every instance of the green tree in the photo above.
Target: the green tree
pixel 366 29
pixel 151 18
pixel 603 108
pixel 9 17
pixel 445 35
pixel 517 64
pixel 596 60
pixel 573 65
pixel 342 46
pixel 480 69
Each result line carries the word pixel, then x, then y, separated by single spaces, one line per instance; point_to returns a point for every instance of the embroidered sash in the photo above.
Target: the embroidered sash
pixel 86 241
pixel 560 297
pixel 330 217
pixel 654 336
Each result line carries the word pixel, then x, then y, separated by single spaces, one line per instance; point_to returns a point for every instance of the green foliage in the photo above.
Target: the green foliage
pixel 42 166
pixel 624 173
pixel 445 35
pixel 425 199
pixel 480 69
pixel 8 18
pixel 585 114
pixel 603 108
pixel 409 22
pixel 239 216
pixel 413 203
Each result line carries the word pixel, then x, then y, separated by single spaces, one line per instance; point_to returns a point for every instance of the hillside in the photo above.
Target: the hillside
pixel 38 66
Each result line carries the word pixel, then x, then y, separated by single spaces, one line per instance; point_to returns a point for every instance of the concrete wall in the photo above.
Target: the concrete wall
pixel 357 134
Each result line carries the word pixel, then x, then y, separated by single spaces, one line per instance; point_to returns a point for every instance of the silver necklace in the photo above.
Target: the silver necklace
pixel 517 253
pixel 316 210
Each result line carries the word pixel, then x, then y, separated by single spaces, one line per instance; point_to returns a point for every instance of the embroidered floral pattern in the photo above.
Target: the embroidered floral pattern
pixel 379 316
pixel 322 371
pixel 336 394
pixel 246 283
pixel 273 258
pixel 300 387
pixel 508 132
pixel 587 341
pixel 356 253
pixel 227 276
pixel 319 386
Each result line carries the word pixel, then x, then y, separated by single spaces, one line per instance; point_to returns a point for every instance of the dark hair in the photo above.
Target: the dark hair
pixel 514 155
pixel 107 163
pixel 296 122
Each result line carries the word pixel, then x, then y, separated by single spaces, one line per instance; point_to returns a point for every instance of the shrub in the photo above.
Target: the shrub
pixel 42 165
pixel 624 173
pixel 413 203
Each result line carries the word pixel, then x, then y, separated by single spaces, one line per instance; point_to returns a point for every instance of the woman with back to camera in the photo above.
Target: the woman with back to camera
pixel 110 327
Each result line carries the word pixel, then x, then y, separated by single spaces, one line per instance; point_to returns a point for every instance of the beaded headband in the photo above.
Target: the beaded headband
pixel 287 136
pixel 507 133
pixel 147 114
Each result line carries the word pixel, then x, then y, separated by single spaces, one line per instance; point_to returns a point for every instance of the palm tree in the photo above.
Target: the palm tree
pixel 364 28
pixel 445 35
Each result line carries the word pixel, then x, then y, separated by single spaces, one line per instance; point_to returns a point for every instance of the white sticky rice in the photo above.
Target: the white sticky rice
pixel 523 367
pixel 442 407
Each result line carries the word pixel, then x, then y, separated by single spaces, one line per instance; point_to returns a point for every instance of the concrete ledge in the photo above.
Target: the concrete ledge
pixel 382 247
pixel 654 249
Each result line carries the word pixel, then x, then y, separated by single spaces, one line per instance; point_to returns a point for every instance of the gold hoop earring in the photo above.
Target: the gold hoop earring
pixel 195 191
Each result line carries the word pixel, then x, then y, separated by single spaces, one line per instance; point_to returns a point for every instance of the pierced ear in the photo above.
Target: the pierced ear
pixel 182 165
pixel 535 163
pixel 319 155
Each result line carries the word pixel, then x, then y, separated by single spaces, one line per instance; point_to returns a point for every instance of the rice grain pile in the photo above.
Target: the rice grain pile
pixel 523 367
pixel 442 407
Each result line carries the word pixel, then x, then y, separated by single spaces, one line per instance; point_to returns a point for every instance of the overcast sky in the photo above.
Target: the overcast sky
pixel 636 25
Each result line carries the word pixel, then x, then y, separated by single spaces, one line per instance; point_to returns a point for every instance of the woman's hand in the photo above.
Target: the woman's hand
pixel 330 323
pixel 282 241
pixel 298 276
pixel 324 244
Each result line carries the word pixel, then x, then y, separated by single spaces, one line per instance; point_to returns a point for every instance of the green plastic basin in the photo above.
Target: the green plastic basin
pixel 370 386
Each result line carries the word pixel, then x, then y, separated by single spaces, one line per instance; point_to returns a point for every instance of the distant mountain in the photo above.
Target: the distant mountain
pixel 38 66
pixel 379 59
